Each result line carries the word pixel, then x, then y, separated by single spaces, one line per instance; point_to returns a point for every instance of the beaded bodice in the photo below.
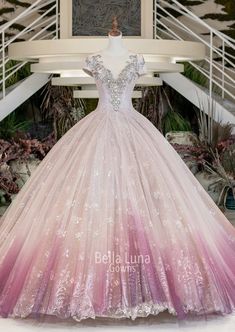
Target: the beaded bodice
pixel 115 93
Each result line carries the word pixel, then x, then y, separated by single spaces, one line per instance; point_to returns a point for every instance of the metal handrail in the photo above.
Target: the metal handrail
pixel 181 26
pixel 32 28
pixel 197 19
pixel 161 23
pixel 32 24
pixel 164 25
pixel 26 12
pixel 206 59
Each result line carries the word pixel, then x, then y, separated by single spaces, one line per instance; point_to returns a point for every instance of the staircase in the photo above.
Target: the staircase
pixel 42 23
pixel 172 20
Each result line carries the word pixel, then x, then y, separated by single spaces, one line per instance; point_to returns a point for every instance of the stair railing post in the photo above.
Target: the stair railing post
pixel 155 19
pixel 210 120
pixel 57 19
pixel 3 65
pixel 223 51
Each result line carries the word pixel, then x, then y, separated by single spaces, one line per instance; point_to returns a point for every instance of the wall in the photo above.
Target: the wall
pixel 9 10
pixel 218 13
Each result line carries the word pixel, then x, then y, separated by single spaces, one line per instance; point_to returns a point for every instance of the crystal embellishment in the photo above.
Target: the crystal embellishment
pixel 115 85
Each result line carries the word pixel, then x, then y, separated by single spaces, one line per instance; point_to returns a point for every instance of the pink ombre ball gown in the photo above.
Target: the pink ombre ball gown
pixel 112 223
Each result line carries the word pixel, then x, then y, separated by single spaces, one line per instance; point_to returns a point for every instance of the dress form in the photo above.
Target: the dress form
pixel 115 55
pixel 90 234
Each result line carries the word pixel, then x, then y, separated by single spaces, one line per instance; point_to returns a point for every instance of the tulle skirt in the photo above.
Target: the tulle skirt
pixel 112 223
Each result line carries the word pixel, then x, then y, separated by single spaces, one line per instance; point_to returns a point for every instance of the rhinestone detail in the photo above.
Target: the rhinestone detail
pixel 115 85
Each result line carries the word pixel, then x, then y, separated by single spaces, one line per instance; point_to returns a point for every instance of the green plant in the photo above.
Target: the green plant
pixel 212 132
pixel 227 177
pixel 58 103
pixel 10 126
pixel 216 138
pixel 228 159
pixel 196 76
pixel 15 77
pixel 173 121
pixel 21 150
pixel 193 74
pixel 156 105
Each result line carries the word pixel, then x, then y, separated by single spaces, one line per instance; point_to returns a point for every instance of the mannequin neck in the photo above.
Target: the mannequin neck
pixel 115 46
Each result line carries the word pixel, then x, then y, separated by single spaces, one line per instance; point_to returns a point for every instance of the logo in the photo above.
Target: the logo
pixel 118 263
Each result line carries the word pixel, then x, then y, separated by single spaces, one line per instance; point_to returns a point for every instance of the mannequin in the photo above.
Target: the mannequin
pixel 115 52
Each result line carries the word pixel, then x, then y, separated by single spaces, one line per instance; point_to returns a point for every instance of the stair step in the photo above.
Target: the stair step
pixel 23 91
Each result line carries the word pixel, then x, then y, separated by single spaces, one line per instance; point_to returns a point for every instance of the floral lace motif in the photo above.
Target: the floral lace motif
pixel 117 85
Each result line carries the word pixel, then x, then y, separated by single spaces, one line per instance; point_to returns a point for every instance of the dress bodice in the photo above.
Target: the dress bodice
pixel 115 93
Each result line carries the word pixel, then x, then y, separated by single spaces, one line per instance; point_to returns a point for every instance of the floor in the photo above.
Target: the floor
pixel 164 322
pixel 230 215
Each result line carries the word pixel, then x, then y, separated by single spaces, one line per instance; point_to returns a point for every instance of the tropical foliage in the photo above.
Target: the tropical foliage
pixel 10 126
pixel 21 150
pixel 156 105
pixel 59 105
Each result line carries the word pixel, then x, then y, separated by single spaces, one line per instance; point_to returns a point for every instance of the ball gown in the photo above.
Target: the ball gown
pixel 112 223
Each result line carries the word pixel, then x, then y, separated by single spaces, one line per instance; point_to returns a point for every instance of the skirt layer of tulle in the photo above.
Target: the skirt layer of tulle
pixel 112 223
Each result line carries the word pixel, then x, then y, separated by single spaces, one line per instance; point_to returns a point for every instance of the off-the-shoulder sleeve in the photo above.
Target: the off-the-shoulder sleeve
pixel 142 68
pixel 88 66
